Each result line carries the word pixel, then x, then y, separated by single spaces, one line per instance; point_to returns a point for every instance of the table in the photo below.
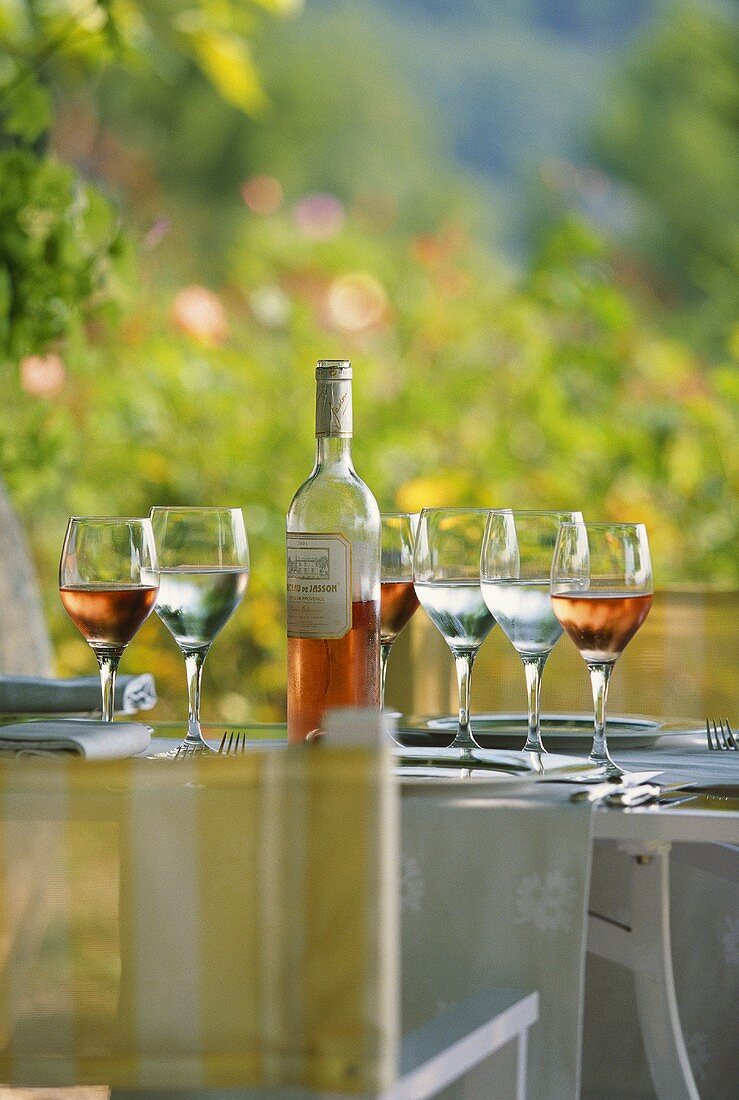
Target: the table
pixel 629 925
pixel 495 881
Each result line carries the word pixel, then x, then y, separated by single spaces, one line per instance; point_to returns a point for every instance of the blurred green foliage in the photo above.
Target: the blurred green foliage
pixel 468 389
pixel 61 253
pixel 472 386
pixel 670 132
pixel 341 117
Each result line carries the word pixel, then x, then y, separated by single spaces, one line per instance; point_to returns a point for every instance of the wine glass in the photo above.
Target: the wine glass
pixel 398 599
pixel 108 585
pixel 204 571
pixel 515 567
pixel 601 589
pixel 446 576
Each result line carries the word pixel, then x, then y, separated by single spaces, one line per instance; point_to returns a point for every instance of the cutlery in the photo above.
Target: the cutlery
pixel 628 794
pixel 720 736
pixel 671 794
pixel 185 752
pixel 233 743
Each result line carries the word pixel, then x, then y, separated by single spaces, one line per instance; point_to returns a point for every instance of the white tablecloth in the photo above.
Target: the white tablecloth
pixel 494 893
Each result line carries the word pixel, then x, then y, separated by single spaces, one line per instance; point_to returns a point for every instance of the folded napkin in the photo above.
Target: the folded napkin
pixel 81 695
pixel 78 736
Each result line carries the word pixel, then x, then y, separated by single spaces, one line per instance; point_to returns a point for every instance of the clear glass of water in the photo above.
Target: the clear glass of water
pixel 515 565
pixel 203 574
pixel 446 576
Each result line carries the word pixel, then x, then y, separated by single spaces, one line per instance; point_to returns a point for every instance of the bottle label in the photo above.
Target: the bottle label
pixel 319 592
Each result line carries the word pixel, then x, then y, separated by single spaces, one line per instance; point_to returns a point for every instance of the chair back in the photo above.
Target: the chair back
pixel 25 645
pixel 214 923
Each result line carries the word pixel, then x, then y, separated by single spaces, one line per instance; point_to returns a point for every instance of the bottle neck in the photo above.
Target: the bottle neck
pixel 334 421
pixel 332 450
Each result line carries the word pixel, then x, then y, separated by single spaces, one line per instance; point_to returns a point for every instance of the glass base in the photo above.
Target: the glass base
pixel 463 750
pixel 606 766
pixel 464 743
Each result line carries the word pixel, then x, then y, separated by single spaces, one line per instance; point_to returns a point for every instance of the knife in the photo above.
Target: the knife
pixel 631 790
pixel 630 794
pixel 672 794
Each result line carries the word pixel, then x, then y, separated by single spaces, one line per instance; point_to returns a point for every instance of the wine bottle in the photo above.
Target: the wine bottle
pixel 333 571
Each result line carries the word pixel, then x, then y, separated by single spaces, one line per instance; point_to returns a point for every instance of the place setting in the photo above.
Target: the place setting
pixel 474 568
pixel 191 566
pixel 537 574
pixel 108 585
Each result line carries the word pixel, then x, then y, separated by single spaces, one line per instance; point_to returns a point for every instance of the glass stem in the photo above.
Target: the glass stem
pixel 385 648
pixel 194 660
pixel 108 661
pixel 600 675
pixel 464 660
pixel 534 667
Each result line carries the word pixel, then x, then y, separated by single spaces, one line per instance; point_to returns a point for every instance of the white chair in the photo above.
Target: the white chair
pixel 219 924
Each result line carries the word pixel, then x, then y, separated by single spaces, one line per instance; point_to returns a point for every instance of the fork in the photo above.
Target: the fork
pixel 232 743
pixel 720 735
pixel 185 752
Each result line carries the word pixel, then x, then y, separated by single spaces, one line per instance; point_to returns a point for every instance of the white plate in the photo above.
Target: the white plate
pixel 573 731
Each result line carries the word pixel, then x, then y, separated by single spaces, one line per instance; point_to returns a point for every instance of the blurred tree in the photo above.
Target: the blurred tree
pixel 60 243
pixel 341 117
pixel 64 260
pixel 670 132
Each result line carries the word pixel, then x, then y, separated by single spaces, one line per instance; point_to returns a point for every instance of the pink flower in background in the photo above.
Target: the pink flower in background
pixel 262 194
pixel 42 375
pixel 356 302
pixel 156 232
pixel 319 217
pixel 200 313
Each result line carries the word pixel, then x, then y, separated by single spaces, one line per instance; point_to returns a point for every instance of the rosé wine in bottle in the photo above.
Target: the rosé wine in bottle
pixel 333 571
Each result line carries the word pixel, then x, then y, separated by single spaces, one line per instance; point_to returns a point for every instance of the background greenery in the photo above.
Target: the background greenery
pixel 533 271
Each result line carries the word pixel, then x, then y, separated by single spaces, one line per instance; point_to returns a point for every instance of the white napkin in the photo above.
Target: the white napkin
pixel 78 695
pixel 75 736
